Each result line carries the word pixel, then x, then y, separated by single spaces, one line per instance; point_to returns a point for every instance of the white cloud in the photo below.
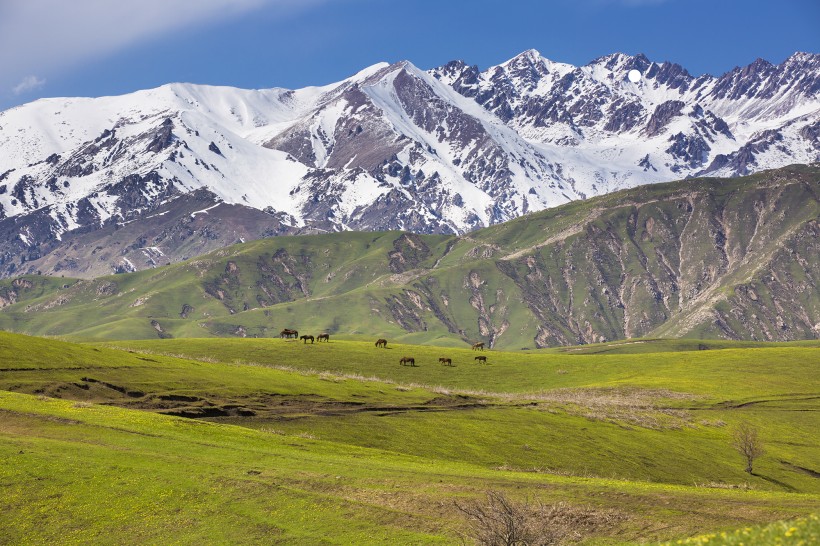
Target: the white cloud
pixel 29 83
pixel 51 36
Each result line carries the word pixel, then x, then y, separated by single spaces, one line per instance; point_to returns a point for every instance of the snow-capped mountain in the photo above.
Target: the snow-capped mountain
pixel 608 132
pixel 392 147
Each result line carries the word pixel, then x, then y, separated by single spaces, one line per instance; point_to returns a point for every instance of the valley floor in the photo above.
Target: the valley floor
pixel 274 441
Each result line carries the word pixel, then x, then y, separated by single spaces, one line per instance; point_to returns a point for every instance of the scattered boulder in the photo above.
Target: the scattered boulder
pixel 107 289
pixel 160 331
pixel 186 310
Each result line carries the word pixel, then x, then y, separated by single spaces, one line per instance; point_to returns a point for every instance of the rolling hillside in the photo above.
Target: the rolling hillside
pixel 702 258
pixel 339 444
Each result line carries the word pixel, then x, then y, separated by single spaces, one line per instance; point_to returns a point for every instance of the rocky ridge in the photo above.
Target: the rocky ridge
pixel 447 150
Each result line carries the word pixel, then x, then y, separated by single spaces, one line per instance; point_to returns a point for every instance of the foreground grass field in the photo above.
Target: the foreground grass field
pixel 340 444
pixel 803 531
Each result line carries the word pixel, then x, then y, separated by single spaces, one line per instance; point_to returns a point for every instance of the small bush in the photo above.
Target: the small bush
pixel 501 521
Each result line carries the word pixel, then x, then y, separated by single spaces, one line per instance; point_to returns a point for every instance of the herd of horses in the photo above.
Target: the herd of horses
pixel 287 333
pixel 446 361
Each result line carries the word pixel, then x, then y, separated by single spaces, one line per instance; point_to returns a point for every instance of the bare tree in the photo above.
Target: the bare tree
pixel 500 521
pixel 747 442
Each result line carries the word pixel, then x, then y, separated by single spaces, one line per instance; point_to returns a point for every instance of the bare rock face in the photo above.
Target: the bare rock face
pixel 157 235
pixel 744 160
pixel 186 311
pixel 410 251
pixel 107 289
pixel 811 133
pixel 662 115
pixel 161 333
pixel 689 150
pixel 7 297
pixel 771 307
pixel 624 115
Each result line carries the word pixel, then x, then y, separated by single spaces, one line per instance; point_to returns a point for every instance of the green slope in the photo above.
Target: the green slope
pixel 668 415
pixel 710 258
pixel 340 444
pixel 95 474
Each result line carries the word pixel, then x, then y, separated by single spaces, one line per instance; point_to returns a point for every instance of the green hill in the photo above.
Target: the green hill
pixel 337 443
pixel 709 258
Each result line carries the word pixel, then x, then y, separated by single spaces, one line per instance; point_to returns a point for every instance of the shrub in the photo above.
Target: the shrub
pixel 500 521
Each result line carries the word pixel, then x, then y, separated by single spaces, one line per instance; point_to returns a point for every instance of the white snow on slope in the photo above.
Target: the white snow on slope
pixel 218 135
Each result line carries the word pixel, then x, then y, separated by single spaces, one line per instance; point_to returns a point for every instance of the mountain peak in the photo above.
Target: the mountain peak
pixel 610 60
pixel 532 55
pixel 761 63
pixel 802 58
pixel 528 59
pixel 617 62
pixel 389 71
pixel 369 72
pixel 395 147
pixel 531 68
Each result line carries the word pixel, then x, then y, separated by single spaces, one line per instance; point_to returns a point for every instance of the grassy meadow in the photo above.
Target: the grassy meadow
pixel 274 441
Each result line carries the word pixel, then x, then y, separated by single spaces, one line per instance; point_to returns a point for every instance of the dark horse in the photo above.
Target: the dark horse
pixel 447 361
pixel 478 346
pixel 323 337
pixel 381 343
pixel 407 360
pixel 481 359
pixel 288 333
pixel 306 338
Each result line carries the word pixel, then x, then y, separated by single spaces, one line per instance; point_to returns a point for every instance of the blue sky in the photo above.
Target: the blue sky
pixel 102 47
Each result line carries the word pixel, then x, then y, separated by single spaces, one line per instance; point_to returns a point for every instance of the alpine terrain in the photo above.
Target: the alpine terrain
pixel 114 184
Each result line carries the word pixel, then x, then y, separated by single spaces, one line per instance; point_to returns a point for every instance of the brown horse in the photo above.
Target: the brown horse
pixel 306 338
pixel 407 360
pixel 323 337
pixel 288 333
pixel 381 343
pixel 481 359
pixel 478 346
pixel 446 361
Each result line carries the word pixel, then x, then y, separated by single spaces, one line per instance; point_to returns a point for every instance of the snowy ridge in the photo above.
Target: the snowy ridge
pixel 608 132
pixel 395 147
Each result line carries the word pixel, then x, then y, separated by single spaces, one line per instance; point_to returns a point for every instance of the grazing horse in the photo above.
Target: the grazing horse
pixel 306 338
pixel 481 359
pixel 323 337
pixel 405 360
pixel 447 361
pixel 381 343
pixel 478 346
pixel 288 333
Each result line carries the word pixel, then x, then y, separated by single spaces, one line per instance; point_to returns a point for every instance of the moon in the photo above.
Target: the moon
pixel 634 76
